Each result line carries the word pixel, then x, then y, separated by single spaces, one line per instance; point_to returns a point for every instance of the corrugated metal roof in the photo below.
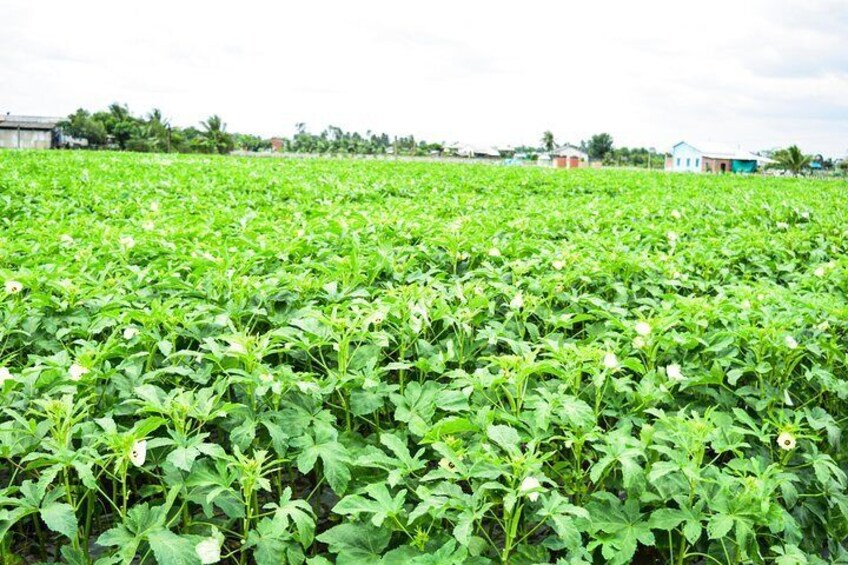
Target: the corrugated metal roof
pixel 9 121
pixel 471 150
pixel 569 151
pixel 713 150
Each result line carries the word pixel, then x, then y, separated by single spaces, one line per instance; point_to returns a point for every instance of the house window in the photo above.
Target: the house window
pixel 688 161
pixel 698 162
pixel 678 161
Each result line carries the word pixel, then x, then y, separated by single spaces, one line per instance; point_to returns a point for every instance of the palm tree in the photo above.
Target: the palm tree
pixel 215 135
pixel 548 141
pixel 120 113
pixel 792 160
pixel 159 129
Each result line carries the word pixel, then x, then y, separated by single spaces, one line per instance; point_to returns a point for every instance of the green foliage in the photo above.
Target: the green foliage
pixel 548 141
pixel 792 159
pixel 599 146
pixel 215 136
pixel 311 361
pixel 117 128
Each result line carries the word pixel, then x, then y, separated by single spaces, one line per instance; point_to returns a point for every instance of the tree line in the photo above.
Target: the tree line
pixel 334 139
pixel 117 128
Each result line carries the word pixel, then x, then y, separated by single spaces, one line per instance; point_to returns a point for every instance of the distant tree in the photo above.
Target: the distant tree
pixel 792 160
pixel 82 125
pixel 251 142
pixel 158 130
pixel 215 135
pixel 548 141
pixel 599 146
pixel 120 123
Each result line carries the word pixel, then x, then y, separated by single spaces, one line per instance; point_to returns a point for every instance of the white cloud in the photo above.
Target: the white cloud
pixel 758 73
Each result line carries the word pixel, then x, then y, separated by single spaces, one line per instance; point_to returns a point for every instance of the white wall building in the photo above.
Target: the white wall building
pixel 713 158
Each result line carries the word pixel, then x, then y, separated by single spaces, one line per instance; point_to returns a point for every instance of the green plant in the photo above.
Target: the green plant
pixel 208 359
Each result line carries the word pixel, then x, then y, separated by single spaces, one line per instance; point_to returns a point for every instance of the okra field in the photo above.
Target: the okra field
pixel 240 360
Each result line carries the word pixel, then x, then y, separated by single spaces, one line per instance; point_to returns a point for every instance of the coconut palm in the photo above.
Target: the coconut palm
pixel 548 142
pixel 215 135
pixel 792 160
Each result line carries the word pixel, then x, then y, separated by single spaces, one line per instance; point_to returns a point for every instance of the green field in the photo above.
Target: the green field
pixel 277 361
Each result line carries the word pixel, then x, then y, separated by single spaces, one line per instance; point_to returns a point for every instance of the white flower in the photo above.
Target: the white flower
pixel 446 464
pixel 138 453
pixel 786 441
pixel 209 551
pixel 790 342
pixel 377 317
pixel 819 272
pixel 643 328
pixel 676 214
pixel 530 487
pixel 307 387
pixel 782 226
pixel 672 237
pixel 148 225
pixel 127 241
pixel 154 206
pixel 301 233
pixel 76 371
pixel 494 252
pixel 674 373
pixel 517 302
pixel 66 239
pixel 13 287
pixel 610 360
pixel 5 375
pixel 130 332
pixel 638 342
pixel 266 377
pixel 746 304
pixel 805 215
pixel 558 265
pixel 237 348
pixel 787 400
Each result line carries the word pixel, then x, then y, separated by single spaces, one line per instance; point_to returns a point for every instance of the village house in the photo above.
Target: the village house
pixel 713 158
pixel 569 157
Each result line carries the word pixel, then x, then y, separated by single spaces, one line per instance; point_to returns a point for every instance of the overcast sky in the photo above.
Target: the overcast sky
pixel 757 73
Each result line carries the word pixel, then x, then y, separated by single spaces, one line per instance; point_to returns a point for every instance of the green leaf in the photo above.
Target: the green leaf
pixel 449 426
pixel 363 402
pixel 719 525
pixel 183 457
pixel 299 512
pixel 666 518
pixel 692 530
pixel 60 517
pixel 171 549
pixel 379 503
pixel 354 544
pixel 505 436
pixel 334 456
pixel 577 413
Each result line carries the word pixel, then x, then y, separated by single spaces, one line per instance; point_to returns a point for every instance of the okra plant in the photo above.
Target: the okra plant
pixel 232 360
